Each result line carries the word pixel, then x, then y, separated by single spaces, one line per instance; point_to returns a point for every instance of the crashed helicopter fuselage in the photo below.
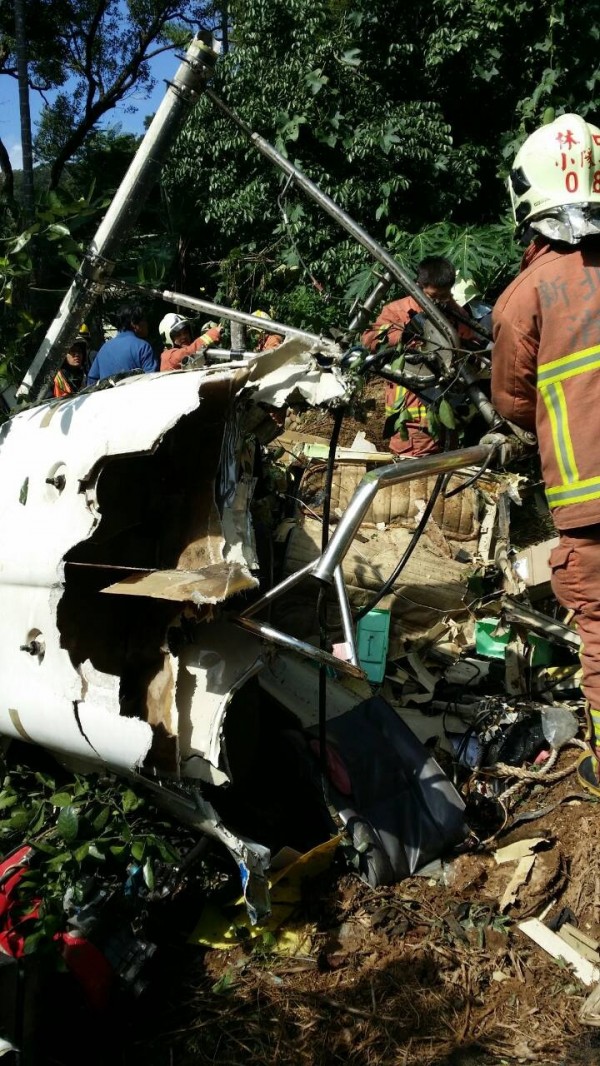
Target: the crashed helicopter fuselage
pixel 128 550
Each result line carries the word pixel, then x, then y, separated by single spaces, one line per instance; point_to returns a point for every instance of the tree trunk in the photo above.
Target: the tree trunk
pixel 7 172
pixel 225 26
pixel 25 114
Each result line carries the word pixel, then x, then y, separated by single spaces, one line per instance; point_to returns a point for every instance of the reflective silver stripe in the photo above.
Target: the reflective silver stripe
pixel 578 492
pixel 569 366
pixel 555 402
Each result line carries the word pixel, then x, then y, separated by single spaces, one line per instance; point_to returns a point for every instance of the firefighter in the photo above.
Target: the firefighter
pixel 265 341
pixel 177 334
pixel 71 376
pixel 85 335
pixel 546 366
pixel 435 276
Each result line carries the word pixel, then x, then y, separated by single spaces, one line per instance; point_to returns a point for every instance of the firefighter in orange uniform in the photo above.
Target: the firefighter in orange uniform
pixel 265 341
pixel 435 276
pixel 546 366
pixel 177 334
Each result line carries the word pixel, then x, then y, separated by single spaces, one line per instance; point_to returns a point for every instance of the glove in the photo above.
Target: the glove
pixel 505 448
pixel 211 334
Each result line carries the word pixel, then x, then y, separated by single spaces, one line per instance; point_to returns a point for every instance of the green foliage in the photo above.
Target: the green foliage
pixel 486 255
pixel 407 117
pixel 47 249
pixel 79 827
pixel 404 119
pixel 92 54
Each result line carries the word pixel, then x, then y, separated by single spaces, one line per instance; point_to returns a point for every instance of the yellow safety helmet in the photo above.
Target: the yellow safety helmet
pixel 84 330
pixel 258 314
pixel 557 166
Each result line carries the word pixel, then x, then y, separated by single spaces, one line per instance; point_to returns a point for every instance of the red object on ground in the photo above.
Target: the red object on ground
pixel 85 961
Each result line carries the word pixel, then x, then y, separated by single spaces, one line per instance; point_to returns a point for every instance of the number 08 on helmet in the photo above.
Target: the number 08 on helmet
pixel 557 167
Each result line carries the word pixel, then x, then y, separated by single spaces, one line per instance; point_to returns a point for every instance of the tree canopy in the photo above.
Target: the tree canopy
pixel 407 114
pixel 91 55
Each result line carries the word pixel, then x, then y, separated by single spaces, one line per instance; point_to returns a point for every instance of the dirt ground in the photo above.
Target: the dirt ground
pixel 368 417
pixel 421 973
pixel 430 972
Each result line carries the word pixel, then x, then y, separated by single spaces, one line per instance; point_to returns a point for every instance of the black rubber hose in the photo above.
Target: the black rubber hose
pixel 471 480
pixel 338 418
pixel 414 540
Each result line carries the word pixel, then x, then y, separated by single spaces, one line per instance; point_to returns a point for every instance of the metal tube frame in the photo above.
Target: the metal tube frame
pixel 327 569
pixel 97 266
pixel 98 263
pixel 219 311
pixel 360 319
pixel 550 628
pixel 344 220
pixel 368 488
pixel 298 645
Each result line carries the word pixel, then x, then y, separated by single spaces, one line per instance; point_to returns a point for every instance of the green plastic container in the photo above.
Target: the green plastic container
pixel 487 642
pixel 541 654
pixel 492 645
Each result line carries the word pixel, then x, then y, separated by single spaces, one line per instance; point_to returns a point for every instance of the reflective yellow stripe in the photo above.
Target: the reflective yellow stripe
pixel 414 412
pixel 595 723
pixel 572 489
pixel 569 366
pixel 575 492
pixel 417 412
pixel 393 408
pixel 554 399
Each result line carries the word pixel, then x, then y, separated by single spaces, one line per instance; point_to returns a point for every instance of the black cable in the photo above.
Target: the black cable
pixel 414 540
pixel 471 480
pixel 467 320
pixel 322 616
pixel 338 418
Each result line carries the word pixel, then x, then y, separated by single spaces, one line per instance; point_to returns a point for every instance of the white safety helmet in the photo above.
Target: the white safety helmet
pixel 172 324
pixel 557 166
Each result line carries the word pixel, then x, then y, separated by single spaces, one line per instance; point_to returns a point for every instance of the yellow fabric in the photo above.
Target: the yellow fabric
pixel 222 928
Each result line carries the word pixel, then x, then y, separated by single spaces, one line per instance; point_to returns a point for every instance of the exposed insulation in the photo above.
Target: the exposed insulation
pixel 458 517
pixel 429 588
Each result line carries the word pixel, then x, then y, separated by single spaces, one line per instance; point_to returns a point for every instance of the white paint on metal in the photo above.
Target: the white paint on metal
pixel 51 459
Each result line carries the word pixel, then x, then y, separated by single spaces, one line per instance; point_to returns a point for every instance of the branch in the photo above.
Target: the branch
pixel 90 38
pixel 94 110
pixel 42 87
pixel 159 51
